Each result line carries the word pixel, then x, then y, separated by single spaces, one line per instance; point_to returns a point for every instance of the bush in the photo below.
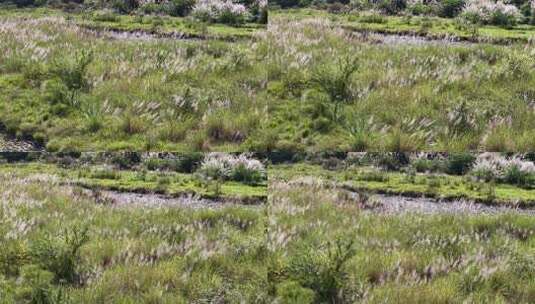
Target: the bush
pixel 22 3
pixel 322 269
pixel 373 18
pixel 124 6
pixel 223 11
pixel 460 163
pixel 390 161
pixel 258 10
pixel 291 292
pixel 450 8
pixel 72 72
pixel 428 165
pixel 12 256
pixel 245 174
pixel 491 166
pixel 241 168
pixel 37 287
pixel 420 9
pixel 105 16
pixel 373 176
pixel 179 8
pixel 503 19
pixel 335 81
pixel 288 3
pixel 126 160
pixel 515 174
pixel 185 163
pixel 488 12
pixel 392 7
pixel 61 255
pixel 54 91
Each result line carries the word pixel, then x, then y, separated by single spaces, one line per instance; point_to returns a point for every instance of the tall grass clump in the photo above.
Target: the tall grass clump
pixel 61 254
pixel 335 81
pixel 513 170
pixel 221 166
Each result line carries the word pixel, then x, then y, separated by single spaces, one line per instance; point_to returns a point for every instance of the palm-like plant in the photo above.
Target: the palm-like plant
pixel 335 81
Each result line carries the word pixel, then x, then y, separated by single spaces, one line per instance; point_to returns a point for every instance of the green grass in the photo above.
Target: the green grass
pixel 148 23
pixel 126 255
pixel 333 252
pixel 336 91
pixel 166 95
pixel 170 183
pixel 442 186
pixel 307 245
pixel 441 27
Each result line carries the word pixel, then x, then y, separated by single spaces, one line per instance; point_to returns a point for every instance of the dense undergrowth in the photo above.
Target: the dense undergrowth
pixel 325 249
pixel 71 89
pixel 309 244
pixel 61 246
pixel 334 90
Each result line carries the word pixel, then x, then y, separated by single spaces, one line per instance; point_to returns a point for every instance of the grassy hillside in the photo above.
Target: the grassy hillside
pixel 68 87
pixel 340 90
pixel 60 245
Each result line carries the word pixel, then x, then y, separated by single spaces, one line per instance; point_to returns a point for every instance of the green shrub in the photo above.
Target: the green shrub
pixel 126 160
pixel 392 7
pixel 162 183
pixel 503 20
pixel 483 174
pixel 124 6
pixel 37 287
pixel 322 269
pixel 450 8
pixel 427 165
pixel 514 175
pixel 157 21
pixel 335 81
pixel 263 16
pixel 12 256
pixel 179 7
pixel 22 3
pixel 152 8
pixel 106 16
pixel 373 176
pixel 420 9
pixel 72 71
pixel 460 163
pixel 373 18
pixel 241 173
pixel 54 91
pixel 390 161
pixel 291 292
pixel 185 163
pixel 61 254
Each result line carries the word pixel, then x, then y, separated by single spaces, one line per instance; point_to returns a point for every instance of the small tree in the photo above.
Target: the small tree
pixel 335 82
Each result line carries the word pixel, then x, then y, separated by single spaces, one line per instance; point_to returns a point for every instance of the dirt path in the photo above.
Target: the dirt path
pixel 399 204
pixel 148 200
pixel 414 37
pixel 395 204
pixel 413 40
pixel 144 35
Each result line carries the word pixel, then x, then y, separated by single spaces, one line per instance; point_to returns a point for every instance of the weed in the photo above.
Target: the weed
pixel 61 254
